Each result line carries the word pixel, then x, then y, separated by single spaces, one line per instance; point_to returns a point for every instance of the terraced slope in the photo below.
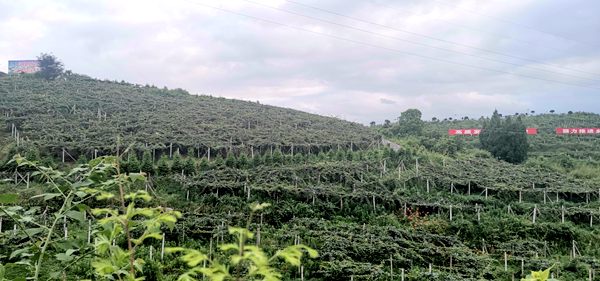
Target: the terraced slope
pixel 82 114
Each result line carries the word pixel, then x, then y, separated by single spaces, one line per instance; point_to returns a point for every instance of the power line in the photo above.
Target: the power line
pixel 389 49
pixel 437 39
pixel 515 23
pixel 481 31
pixel 415 42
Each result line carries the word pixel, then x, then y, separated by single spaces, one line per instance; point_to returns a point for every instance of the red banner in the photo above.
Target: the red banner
pixel 578 131
pixel 476 132
pixel 468 132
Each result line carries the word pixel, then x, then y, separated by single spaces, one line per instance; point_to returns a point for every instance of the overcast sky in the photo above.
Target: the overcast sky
pixel 358 60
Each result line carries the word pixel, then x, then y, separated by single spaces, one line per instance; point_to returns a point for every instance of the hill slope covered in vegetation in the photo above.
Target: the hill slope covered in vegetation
pixel 83 114
pixel 438 208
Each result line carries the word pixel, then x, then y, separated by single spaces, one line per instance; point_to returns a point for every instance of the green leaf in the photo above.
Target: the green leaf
pixel 9 198
pixel 76 215
pixel 257 207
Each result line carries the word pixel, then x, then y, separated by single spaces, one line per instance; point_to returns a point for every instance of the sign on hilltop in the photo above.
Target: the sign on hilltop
pixel 23 66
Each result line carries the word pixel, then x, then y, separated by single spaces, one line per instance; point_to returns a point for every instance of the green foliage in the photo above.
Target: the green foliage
pixel 189 166
pixel 147 165
pixel 230 161
pixel 177 166
pixel 50 67
pixel 89 114
pixel 133 164
pixel 543 275
pixel 505 139
pixel 163 168
pixel 248 262
pixel 409 123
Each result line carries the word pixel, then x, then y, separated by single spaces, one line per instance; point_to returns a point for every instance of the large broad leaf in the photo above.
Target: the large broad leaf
pixel 9 198
pixel 76 215
pixel 66 256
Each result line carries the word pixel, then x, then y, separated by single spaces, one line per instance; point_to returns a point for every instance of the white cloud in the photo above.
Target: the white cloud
pixel 185 44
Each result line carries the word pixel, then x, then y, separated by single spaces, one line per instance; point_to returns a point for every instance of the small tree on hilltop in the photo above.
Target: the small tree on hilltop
pixel 505 139
pixel 50 67
pixel 409 123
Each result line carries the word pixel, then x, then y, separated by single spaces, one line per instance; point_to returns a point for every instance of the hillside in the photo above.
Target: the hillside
pixel 547 142
pixel 436 209
pixel 82 114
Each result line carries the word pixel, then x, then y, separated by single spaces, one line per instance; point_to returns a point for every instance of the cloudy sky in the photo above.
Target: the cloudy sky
pixel 358 60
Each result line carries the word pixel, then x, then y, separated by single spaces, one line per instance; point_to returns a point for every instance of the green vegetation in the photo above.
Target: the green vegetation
pixel 50 67
pixel 437 208
pixel 87 116
pixel 505 139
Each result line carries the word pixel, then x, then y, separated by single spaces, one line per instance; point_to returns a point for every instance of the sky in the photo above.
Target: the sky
pixel 361 61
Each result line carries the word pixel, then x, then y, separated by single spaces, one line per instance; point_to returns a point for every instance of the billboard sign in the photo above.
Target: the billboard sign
pixel 460 132
pixel 578 131
pixel 476 132
pixel 23 66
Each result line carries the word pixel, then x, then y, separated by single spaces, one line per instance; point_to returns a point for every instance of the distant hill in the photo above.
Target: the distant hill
pixel 82 114
pixel 547 142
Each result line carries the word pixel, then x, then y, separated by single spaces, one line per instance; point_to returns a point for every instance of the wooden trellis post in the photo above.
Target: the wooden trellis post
pixel 162 249
pixel 402 274
pixel 417 166
pixel 65 228
pixel 450 212
pixel 562 214
pixel 374 206
pixel 544 196
pixel 520 196
pixel 171 150
pixel 89 234
pixel 505 261
pixel 534 213
pixel 478 209
pixel 391 268
pixel 427 185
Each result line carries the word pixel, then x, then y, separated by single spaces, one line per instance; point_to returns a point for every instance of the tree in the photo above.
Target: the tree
pixel 409 123
pixel 133 164
pixel 189 166
pixel 50 67
pixel 372 124
pixel 230 161
pixel 177 165
pixel 147 165
pixel 386 123
pixel 505 139
pixel 163 167
pixel 552 111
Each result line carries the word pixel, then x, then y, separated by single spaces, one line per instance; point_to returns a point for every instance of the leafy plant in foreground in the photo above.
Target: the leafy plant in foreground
pixel 248 262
